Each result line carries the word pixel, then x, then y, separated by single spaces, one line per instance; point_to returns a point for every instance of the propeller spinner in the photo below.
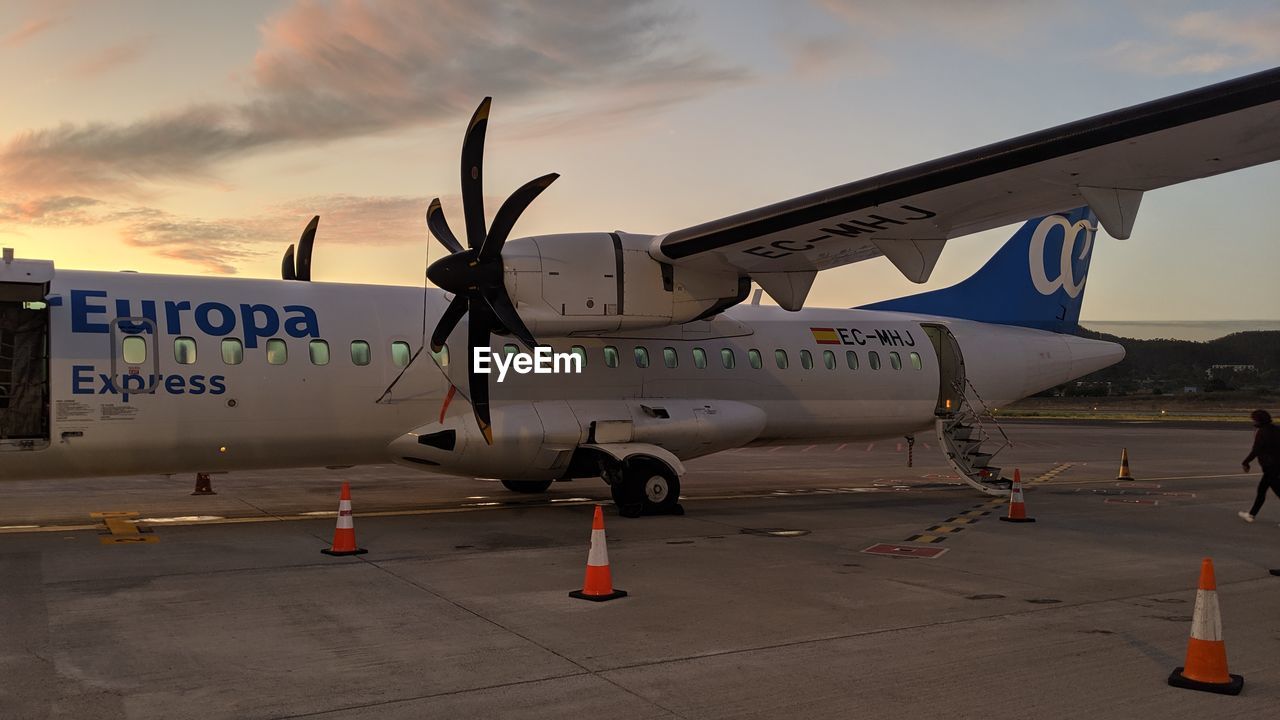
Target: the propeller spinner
pixel 474 273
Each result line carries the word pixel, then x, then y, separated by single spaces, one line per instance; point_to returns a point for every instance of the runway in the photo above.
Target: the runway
pixel 460 609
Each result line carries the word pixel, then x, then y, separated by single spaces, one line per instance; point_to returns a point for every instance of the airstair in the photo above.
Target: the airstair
pixel 971 438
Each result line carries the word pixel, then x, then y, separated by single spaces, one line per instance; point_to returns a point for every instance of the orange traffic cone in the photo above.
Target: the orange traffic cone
pixel 204 485
pixel 598 585
pixel 344 535
pixel 1017 506
pixel 1206 667
pixel 1124 465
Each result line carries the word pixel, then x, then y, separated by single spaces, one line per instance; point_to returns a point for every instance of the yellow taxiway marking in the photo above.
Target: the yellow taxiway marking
pixel 122 528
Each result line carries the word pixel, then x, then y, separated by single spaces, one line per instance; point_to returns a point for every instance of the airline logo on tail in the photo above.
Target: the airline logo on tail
pixel 1065 280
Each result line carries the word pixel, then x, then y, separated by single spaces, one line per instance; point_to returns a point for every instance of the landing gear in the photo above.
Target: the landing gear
pixel 531 487
pixel 644 486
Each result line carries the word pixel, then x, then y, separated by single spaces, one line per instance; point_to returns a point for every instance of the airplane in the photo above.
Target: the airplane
pixel 622 355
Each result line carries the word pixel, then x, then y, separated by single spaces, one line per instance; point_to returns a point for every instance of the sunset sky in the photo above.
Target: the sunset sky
pixel 199 138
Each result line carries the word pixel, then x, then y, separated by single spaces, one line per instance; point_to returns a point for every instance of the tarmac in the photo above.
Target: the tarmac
pixel 759 602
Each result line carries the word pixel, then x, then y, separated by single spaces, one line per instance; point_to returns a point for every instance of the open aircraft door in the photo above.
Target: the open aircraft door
pixel 24 353
pixel 951 378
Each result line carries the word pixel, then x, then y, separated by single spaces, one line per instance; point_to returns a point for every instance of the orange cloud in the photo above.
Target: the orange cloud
pixel 327 72
pixel 29 30
pixel 112 57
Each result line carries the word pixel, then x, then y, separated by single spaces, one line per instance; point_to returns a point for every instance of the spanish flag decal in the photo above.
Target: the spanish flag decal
pixel 825 336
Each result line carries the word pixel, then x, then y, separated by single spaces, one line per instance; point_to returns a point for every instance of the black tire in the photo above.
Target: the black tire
pixel 648 487
pixel 531 487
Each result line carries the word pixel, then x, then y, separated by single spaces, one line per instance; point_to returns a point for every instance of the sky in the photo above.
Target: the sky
pixel 199 138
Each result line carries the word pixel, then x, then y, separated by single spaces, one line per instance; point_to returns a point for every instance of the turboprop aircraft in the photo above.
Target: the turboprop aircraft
pixel 617 355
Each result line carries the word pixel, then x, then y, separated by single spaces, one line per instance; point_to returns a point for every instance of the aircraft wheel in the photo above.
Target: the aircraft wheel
pixel 647 487
pixel 531 487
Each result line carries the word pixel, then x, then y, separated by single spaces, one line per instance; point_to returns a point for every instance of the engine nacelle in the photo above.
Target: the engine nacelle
pixel 601 282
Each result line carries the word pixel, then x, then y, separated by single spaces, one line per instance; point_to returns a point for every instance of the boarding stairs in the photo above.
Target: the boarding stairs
pixel 971 438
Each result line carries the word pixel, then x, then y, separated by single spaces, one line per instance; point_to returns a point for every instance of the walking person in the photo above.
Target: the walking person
pixel 1266 449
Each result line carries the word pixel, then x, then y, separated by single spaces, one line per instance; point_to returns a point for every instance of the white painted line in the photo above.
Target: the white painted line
pixel 181 519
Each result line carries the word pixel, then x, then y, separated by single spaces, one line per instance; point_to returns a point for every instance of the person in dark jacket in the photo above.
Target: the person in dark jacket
pixel 1266 450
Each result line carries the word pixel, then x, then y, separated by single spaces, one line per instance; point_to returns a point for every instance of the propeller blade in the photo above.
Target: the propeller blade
pixel 448 321
pixel 510 211
pixel 440 227
pixel 478 385
pixel 305 243
pixel 500 303
pixel 472 175
pixel 287 266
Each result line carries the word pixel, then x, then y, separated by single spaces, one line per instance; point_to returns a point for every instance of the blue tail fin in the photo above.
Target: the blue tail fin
pixel 1036 280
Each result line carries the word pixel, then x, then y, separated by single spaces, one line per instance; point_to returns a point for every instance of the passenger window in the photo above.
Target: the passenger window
pixel 277 352
pixel 134 350
pixel 895 360
pixel 319 350
pixel 851 357
pixel 915 361
pixel 610 356
pixel 360 353
pixel 753 357
pixel 699 358
pixel 670 358
pixel 873 359
pixel 510 349
pixel 400 354
pixel 806 359
pixel 642 357
pixel 829 359
pixel 184 350
pixel 581 352
pixel 780 357
pixel 727 359
pixel 232 351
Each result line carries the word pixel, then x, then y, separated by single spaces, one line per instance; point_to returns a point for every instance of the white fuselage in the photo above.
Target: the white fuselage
pixel 209 415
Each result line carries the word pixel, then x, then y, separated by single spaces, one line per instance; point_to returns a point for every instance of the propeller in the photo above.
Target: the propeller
pixel 474 273
pixel 300 268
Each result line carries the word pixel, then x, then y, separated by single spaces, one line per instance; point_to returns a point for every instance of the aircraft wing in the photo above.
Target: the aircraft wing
pixel 1106 162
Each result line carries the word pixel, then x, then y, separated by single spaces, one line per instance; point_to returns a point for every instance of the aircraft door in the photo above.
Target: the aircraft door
pixel 24 353
pixel 951 378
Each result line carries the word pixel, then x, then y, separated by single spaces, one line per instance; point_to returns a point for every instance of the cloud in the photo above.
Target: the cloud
pixel 54 210
pixel 220 245
pixel 1201 43
pixel 327 72
pixel 111 57
pixel 973 21
pixel 29 30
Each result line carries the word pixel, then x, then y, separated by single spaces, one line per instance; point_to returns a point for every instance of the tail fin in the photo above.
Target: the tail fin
pixel 1036 280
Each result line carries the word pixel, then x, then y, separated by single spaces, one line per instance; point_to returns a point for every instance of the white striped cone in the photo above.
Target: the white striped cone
pixel 598 583
pixel 1017 504
pixel 1206 664
pixel 344 535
